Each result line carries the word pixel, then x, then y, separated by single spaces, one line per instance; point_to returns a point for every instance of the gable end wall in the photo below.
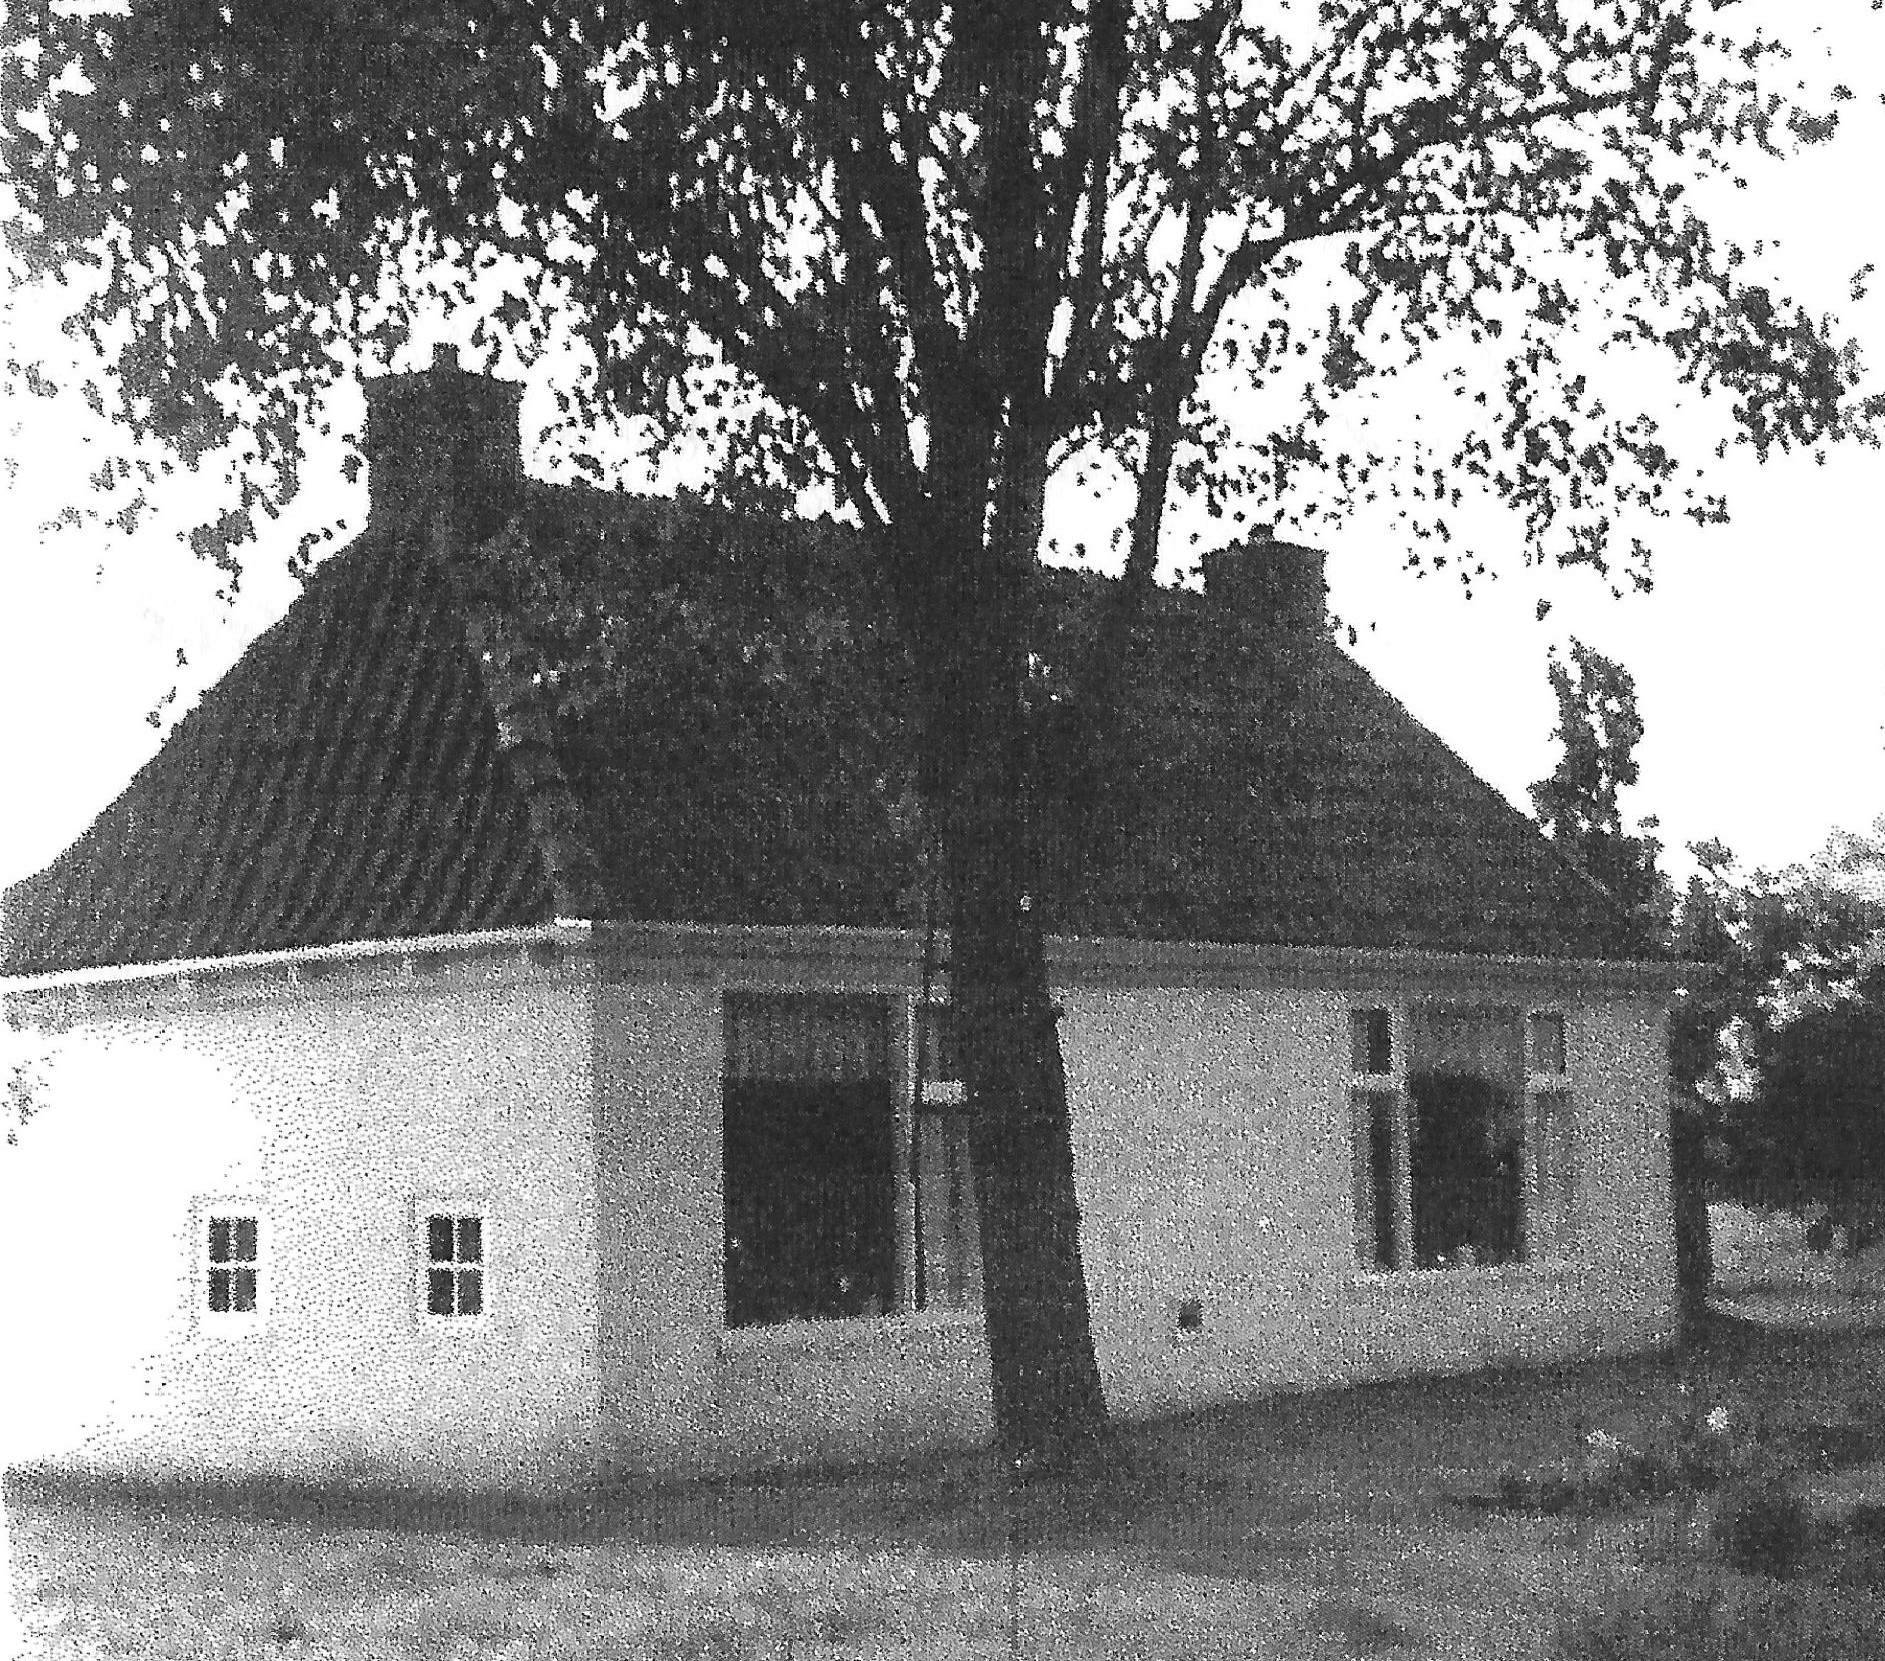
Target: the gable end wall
pixel 330 1107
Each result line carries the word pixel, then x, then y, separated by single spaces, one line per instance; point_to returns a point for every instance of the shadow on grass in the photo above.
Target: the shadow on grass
pixel 1239 1491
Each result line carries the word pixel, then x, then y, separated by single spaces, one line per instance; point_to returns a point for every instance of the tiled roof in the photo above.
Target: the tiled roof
pixel 662 713
pixel 343 781
pixel 1267 790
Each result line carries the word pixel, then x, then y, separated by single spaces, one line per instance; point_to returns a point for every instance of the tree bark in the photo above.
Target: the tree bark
pixel 1049 1404
pixel 967 624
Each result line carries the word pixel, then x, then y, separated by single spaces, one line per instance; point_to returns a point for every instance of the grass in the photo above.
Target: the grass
pixel 1325 1525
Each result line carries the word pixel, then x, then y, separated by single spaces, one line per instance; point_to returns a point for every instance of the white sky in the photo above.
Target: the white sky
pixel 1758 656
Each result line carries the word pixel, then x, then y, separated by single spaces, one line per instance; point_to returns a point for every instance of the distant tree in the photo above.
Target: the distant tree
pixel 1814 1037
pixel 1819 1115
pixel 1599 727
pixel 1786 1043
pixel 928 257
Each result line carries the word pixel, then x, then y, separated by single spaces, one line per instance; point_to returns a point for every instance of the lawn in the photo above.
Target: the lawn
pixel 1342 1523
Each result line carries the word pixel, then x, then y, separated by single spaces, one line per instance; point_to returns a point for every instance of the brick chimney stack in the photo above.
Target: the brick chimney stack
pixel 443 440
pixel 1277 588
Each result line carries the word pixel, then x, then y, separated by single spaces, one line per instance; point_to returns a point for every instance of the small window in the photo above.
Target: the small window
pixel 1544 1044
pixel 233 1263
pixel 454 1272
pixel 1371 1042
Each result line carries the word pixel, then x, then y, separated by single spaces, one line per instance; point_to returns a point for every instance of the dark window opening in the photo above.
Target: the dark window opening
pixel 940 1061
pixel 948 1225
pixel 1370 1041
pixel 1377 1167
pixel 810 1230
pixel 1555 1227
pixel 1383 1202
pixel 1545 1043
pixel 1466 1089
pixel 809 1160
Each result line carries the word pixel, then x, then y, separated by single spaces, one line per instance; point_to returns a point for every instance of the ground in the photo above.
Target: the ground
pixel 1334 1524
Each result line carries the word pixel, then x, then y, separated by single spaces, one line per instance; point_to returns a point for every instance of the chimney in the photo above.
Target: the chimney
pixel 1274 587
pixel 443 439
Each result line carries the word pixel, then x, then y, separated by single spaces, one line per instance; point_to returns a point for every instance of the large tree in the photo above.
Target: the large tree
pixel 935 255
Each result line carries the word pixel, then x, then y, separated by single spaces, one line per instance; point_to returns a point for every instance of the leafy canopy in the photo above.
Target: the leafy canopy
pixel 927 255
pixel 1580 805
pixel 1786 1042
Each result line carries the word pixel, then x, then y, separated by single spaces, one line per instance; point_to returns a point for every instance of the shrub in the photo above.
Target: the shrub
pixel 1762 1531
pixel 1756 1621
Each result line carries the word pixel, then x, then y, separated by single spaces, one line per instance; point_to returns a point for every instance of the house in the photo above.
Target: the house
pixel 499 1039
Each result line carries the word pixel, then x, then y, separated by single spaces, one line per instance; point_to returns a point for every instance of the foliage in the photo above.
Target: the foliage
pixel 1599 726
pixel 862 242
pixel 21 1097
pixel 1788 1043
pixel 1762 1529
pixel 1690 1620
pixel 1820 1110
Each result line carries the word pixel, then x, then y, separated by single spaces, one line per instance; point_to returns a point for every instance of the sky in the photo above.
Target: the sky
pixel 1757 653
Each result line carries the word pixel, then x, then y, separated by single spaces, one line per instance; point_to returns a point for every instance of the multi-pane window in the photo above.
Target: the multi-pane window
pixel 233 1263
pixel 454 1264
pixel 948 1229
pixel 1462 1136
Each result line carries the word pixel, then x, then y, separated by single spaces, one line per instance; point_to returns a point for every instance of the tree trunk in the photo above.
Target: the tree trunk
pixel 1695 1258
pixel 972 659
pixel 964 606
pixel 1048 1401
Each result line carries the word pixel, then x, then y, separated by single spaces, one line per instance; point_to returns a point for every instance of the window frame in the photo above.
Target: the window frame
pixel 1365 1089
pixel 945 1101
pixel 459 1206
pixel 204 1213
pixel 910 1303
pixel 899 1194
pixel 1542 1086
pixel 1546 1135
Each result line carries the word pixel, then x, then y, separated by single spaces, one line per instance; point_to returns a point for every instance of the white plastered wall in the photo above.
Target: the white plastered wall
pixel 329 1107
pixel 679 1390
pixel 1213 1160
pixel 581 1108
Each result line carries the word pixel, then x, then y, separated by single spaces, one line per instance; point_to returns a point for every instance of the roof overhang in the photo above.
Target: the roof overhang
pixel 796 952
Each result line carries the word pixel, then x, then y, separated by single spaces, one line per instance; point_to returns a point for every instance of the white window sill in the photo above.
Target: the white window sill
pixel 233 1329
pixel 845 1330
pixel 450 1329
pixel 1417 1281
